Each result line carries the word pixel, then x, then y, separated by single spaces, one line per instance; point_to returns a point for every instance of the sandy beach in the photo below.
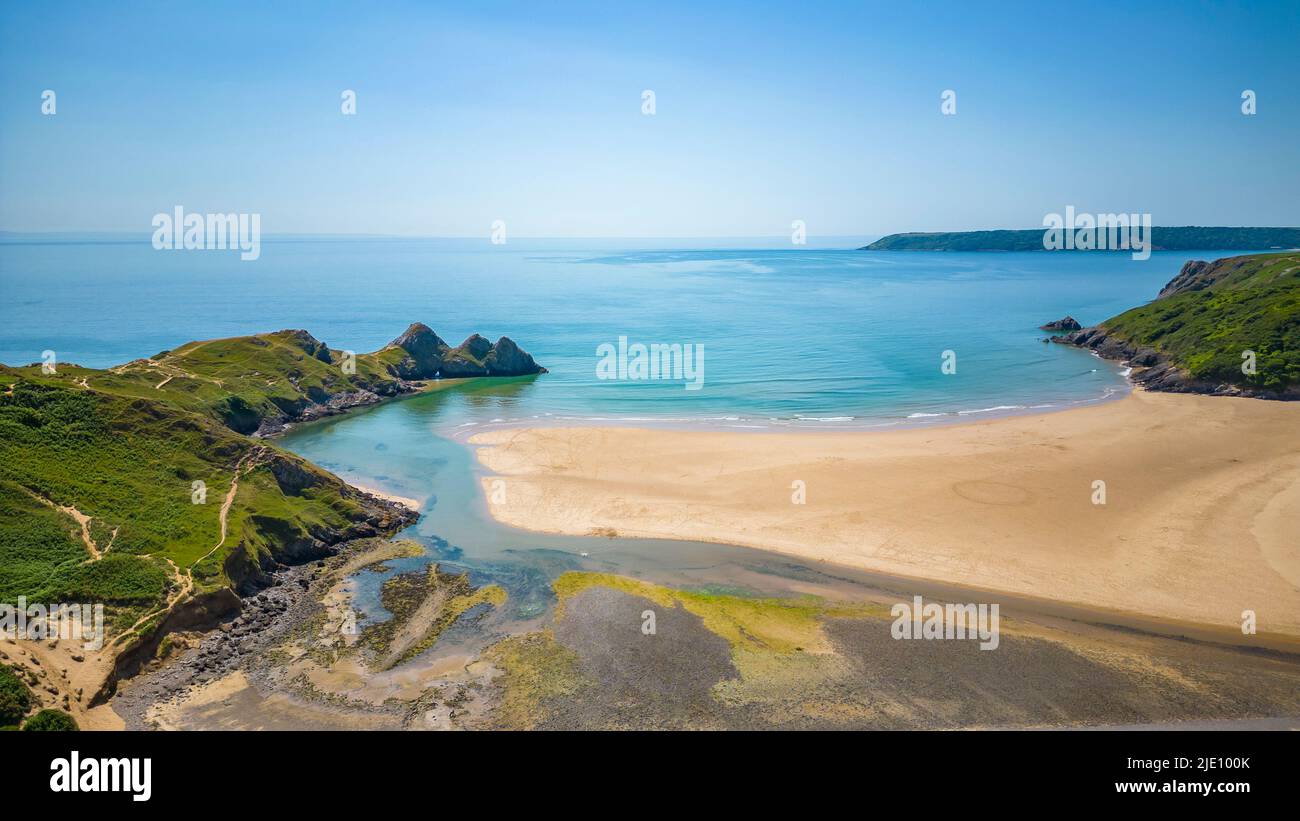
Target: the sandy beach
pixel 1202 500
pixel 404 501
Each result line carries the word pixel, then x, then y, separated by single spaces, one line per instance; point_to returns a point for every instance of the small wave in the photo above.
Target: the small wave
pixel 990 410
pixel 919 415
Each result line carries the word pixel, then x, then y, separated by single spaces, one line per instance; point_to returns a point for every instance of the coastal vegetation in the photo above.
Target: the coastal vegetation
pixel 50 720
pixel 127 468
pixel 1183 238
pixel 1233 322
pixel 15 698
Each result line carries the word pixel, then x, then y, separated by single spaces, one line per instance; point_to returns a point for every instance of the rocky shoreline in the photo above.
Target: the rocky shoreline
pixel 383 518
pixel 259 593
pixel 1153 370
pixel 290 653
pixel 336 405
pixel 236 643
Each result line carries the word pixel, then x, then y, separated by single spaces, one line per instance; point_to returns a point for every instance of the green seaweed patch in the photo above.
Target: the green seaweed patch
pixel 778 645
pixel 778 625
pixel 535 669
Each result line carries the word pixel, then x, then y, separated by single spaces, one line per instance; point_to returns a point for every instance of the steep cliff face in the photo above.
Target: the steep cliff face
pixel 1195 275
pixel 424 351
pixel 466 359
pixel 428 356
pixel 508 359
pixel 272 529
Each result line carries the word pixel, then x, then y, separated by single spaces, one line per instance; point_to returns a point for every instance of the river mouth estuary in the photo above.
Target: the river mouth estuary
pixel 461 622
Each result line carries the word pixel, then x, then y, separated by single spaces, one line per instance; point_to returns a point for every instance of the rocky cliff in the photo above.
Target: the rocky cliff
pixel 428 356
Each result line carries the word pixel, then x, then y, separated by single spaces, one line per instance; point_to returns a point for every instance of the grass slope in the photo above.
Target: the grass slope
pixel 241 380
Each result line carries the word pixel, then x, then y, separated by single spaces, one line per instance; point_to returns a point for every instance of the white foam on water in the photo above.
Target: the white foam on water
pixel 990 410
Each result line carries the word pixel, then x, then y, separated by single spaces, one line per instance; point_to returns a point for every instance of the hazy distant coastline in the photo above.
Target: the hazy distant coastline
pixel 1184 238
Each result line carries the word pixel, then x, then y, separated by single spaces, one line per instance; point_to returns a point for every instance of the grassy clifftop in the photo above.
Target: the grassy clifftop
pixel 1205 325
pixel 258 384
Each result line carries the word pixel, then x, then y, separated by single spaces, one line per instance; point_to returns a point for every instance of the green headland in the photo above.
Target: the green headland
pixel 152 484
pixel 1182 238
pixel 1231 326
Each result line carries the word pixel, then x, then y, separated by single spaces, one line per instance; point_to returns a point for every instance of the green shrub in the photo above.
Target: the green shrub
pixel 15 698
pixel 51 721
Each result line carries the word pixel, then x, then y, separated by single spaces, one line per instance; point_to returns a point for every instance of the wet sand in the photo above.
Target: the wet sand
pixel 404 501
pixel 590 665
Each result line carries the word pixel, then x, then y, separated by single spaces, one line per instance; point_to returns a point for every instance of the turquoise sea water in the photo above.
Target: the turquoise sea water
pixel 793 338
pixel 818 337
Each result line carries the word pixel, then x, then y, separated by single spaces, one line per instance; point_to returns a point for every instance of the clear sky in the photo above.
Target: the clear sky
pixel 531 113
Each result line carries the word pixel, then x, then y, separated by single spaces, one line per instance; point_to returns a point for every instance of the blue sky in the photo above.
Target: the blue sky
pixel 531 113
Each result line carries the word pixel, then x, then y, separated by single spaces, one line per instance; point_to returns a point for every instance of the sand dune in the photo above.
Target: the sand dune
pixel 1200 521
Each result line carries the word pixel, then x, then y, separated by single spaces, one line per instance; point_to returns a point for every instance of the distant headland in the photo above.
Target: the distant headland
pixel 1184 238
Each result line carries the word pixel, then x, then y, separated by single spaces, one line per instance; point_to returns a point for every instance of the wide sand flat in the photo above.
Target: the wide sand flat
pixel 1201 520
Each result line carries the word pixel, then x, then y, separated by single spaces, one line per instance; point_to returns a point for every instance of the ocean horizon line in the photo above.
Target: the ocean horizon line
pixel 134 236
